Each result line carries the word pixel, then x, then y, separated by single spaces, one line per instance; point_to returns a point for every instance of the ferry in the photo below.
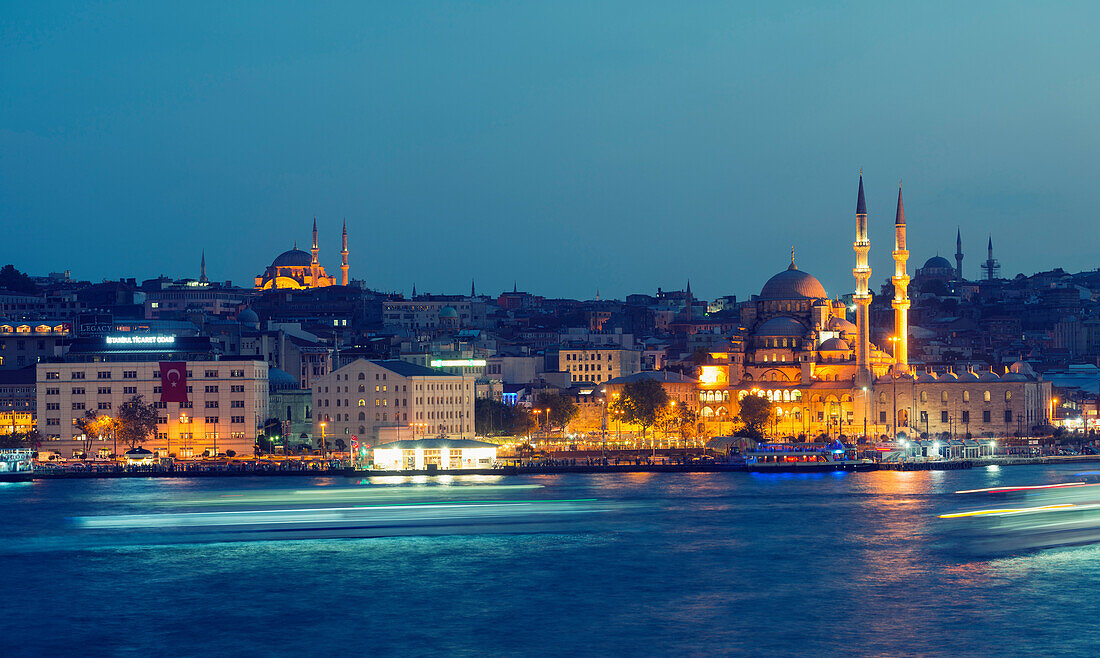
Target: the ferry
pixel 1002 520
pixel 16 465
pixel 803 458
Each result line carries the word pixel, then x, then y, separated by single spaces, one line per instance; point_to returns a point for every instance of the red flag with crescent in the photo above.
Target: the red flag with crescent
pixel 173 381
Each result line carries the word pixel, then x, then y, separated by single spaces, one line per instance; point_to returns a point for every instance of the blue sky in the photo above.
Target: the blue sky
pixel 566 146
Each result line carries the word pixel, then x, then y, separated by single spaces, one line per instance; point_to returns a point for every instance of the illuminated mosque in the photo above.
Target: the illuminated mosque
pixel 823 374
pixel 296 269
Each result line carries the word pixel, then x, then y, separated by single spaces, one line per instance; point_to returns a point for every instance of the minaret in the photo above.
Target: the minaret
pixel 958 255
pixel 901 292
pixel 992 267
pixel 343 256
pixel 313 263
pixel 862 296
pixel 473 291
pixel 202 268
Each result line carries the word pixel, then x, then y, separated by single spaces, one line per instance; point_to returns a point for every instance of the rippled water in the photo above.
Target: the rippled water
pixel 691 564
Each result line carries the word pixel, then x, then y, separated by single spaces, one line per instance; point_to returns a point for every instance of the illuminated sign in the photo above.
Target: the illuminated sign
pixel 140 340
pixel 450 363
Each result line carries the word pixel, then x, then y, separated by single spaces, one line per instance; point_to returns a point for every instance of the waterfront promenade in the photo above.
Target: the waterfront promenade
pixel 552 466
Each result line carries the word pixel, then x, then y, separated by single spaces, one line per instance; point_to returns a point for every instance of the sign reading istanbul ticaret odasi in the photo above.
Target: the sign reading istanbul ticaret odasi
pixel 140 340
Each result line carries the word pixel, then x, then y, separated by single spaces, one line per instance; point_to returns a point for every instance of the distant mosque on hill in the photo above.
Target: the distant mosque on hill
pixel 823 374
pixel 297 270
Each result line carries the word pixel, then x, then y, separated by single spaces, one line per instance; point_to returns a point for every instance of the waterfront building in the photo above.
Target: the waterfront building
pixel 596 365
pixel 292 406
pixel 423 454
pixel 375 401
pixel 227 397
pixel 434 313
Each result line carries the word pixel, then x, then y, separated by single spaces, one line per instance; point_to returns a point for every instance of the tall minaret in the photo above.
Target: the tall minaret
pixel 901 292
pixel 862 296
pixel 958 255
pixel 344 256
pixel 992 267
pixel 313 263
pixel 202 268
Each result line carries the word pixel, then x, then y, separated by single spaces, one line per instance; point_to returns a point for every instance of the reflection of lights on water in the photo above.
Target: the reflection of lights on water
pixel 993 468
pixel 985 512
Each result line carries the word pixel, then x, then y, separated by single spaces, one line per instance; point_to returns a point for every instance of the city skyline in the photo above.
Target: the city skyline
pixel 567 148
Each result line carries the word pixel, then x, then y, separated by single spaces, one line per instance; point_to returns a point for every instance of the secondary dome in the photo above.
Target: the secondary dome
pixel 938 262
pixel 834 345
pixel 293 258
pixel 793 283
pixel 248 317
pixel 842 325
pixel 781 326
pixel 448 312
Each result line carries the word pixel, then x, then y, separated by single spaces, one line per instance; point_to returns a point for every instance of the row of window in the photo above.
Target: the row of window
pixel 588 357
pixel 210 420
pixel 132 374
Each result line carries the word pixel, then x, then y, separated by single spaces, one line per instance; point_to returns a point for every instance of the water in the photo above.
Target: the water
pixel 691 564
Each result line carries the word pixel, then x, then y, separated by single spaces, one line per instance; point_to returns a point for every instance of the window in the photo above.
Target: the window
pixel 924 416
pixel 882 417
pixel 54 375
pixel 162 420
pixel 129 390
pixel 237 419
pixel 236 404
pixel 77 406
pixel 211 374
pixel 943 397
pixel 1008 415
pixel 104 390
pixel 78 390
pixel 160 405
pixel 985 396
pixel 924 396
pixel 361 377
pixel 211 404
pixel 103 374
pixel 104 405
pixel 212 420
pixel 943 417
pixel 236 388
pixel 186 405
pixel 966 396
pixel 212 389
pixel 1008 396
pixel 53 391
pixel 985 416
pixel 78 374
pixel 129 374
pixel 53 421
pixel 236 373
pixel 966 416
pixel 53 406
pixel 162 436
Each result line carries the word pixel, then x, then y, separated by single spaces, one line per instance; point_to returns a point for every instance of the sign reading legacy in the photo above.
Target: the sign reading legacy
pixel 140 340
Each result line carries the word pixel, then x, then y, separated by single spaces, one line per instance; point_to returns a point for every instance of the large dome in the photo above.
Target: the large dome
pixel 781 326
pixel 293 258
pixel 793 283
pixel 938 262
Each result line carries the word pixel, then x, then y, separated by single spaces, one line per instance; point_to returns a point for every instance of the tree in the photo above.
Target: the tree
pixel 755 413
pixel 272 429
pixel 340 445
pixel 640 403
pixel 31 439
pixel 88 426
pixel 16 281
pixel 136 421
pixel 562 408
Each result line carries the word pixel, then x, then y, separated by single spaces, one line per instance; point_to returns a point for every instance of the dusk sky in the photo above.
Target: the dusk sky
pixel 566 146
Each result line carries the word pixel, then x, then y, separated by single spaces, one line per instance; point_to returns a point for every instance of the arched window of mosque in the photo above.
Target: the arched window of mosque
pixel 362 402
pixel 786 396
pixel 741 395
pixel 362 415
pixel 362 388
pixel 362 430
pixel 362 377
pixel 882 397
pixel 943 397
pixel 725 396
pixel 1008 396
pixel 986 396
pixel 924 396
pixel 966 396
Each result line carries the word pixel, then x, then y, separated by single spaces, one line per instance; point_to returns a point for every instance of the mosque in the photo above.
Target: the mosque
pixel 823 374
pixel 296 269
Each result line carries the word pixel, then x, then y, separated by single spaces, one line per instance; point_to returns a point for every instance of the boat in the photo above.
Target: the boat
pixel 1002 520
pixel 16 465
pixel 803 458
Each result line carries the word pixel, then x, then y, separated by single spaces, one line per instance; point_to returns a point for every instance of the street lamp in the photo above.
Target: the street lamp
pixel 323 423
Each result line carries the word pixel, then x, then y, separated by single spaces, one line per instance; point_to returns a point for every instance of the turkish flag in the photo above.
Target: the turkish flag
pixel 173 381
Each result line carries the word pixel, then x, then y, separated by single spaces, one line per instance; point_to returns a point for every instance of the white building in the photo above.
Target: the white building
pixel 370 400
pixel 227 404
pixel 452 454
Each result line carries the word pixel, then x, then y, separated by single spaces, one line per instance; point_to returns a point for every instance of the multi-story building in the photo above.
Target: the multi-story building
pixel 23 344
pixel 17 403
pixel 437 312
pixel 376 401
pixel 226 406
pixel 597 365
